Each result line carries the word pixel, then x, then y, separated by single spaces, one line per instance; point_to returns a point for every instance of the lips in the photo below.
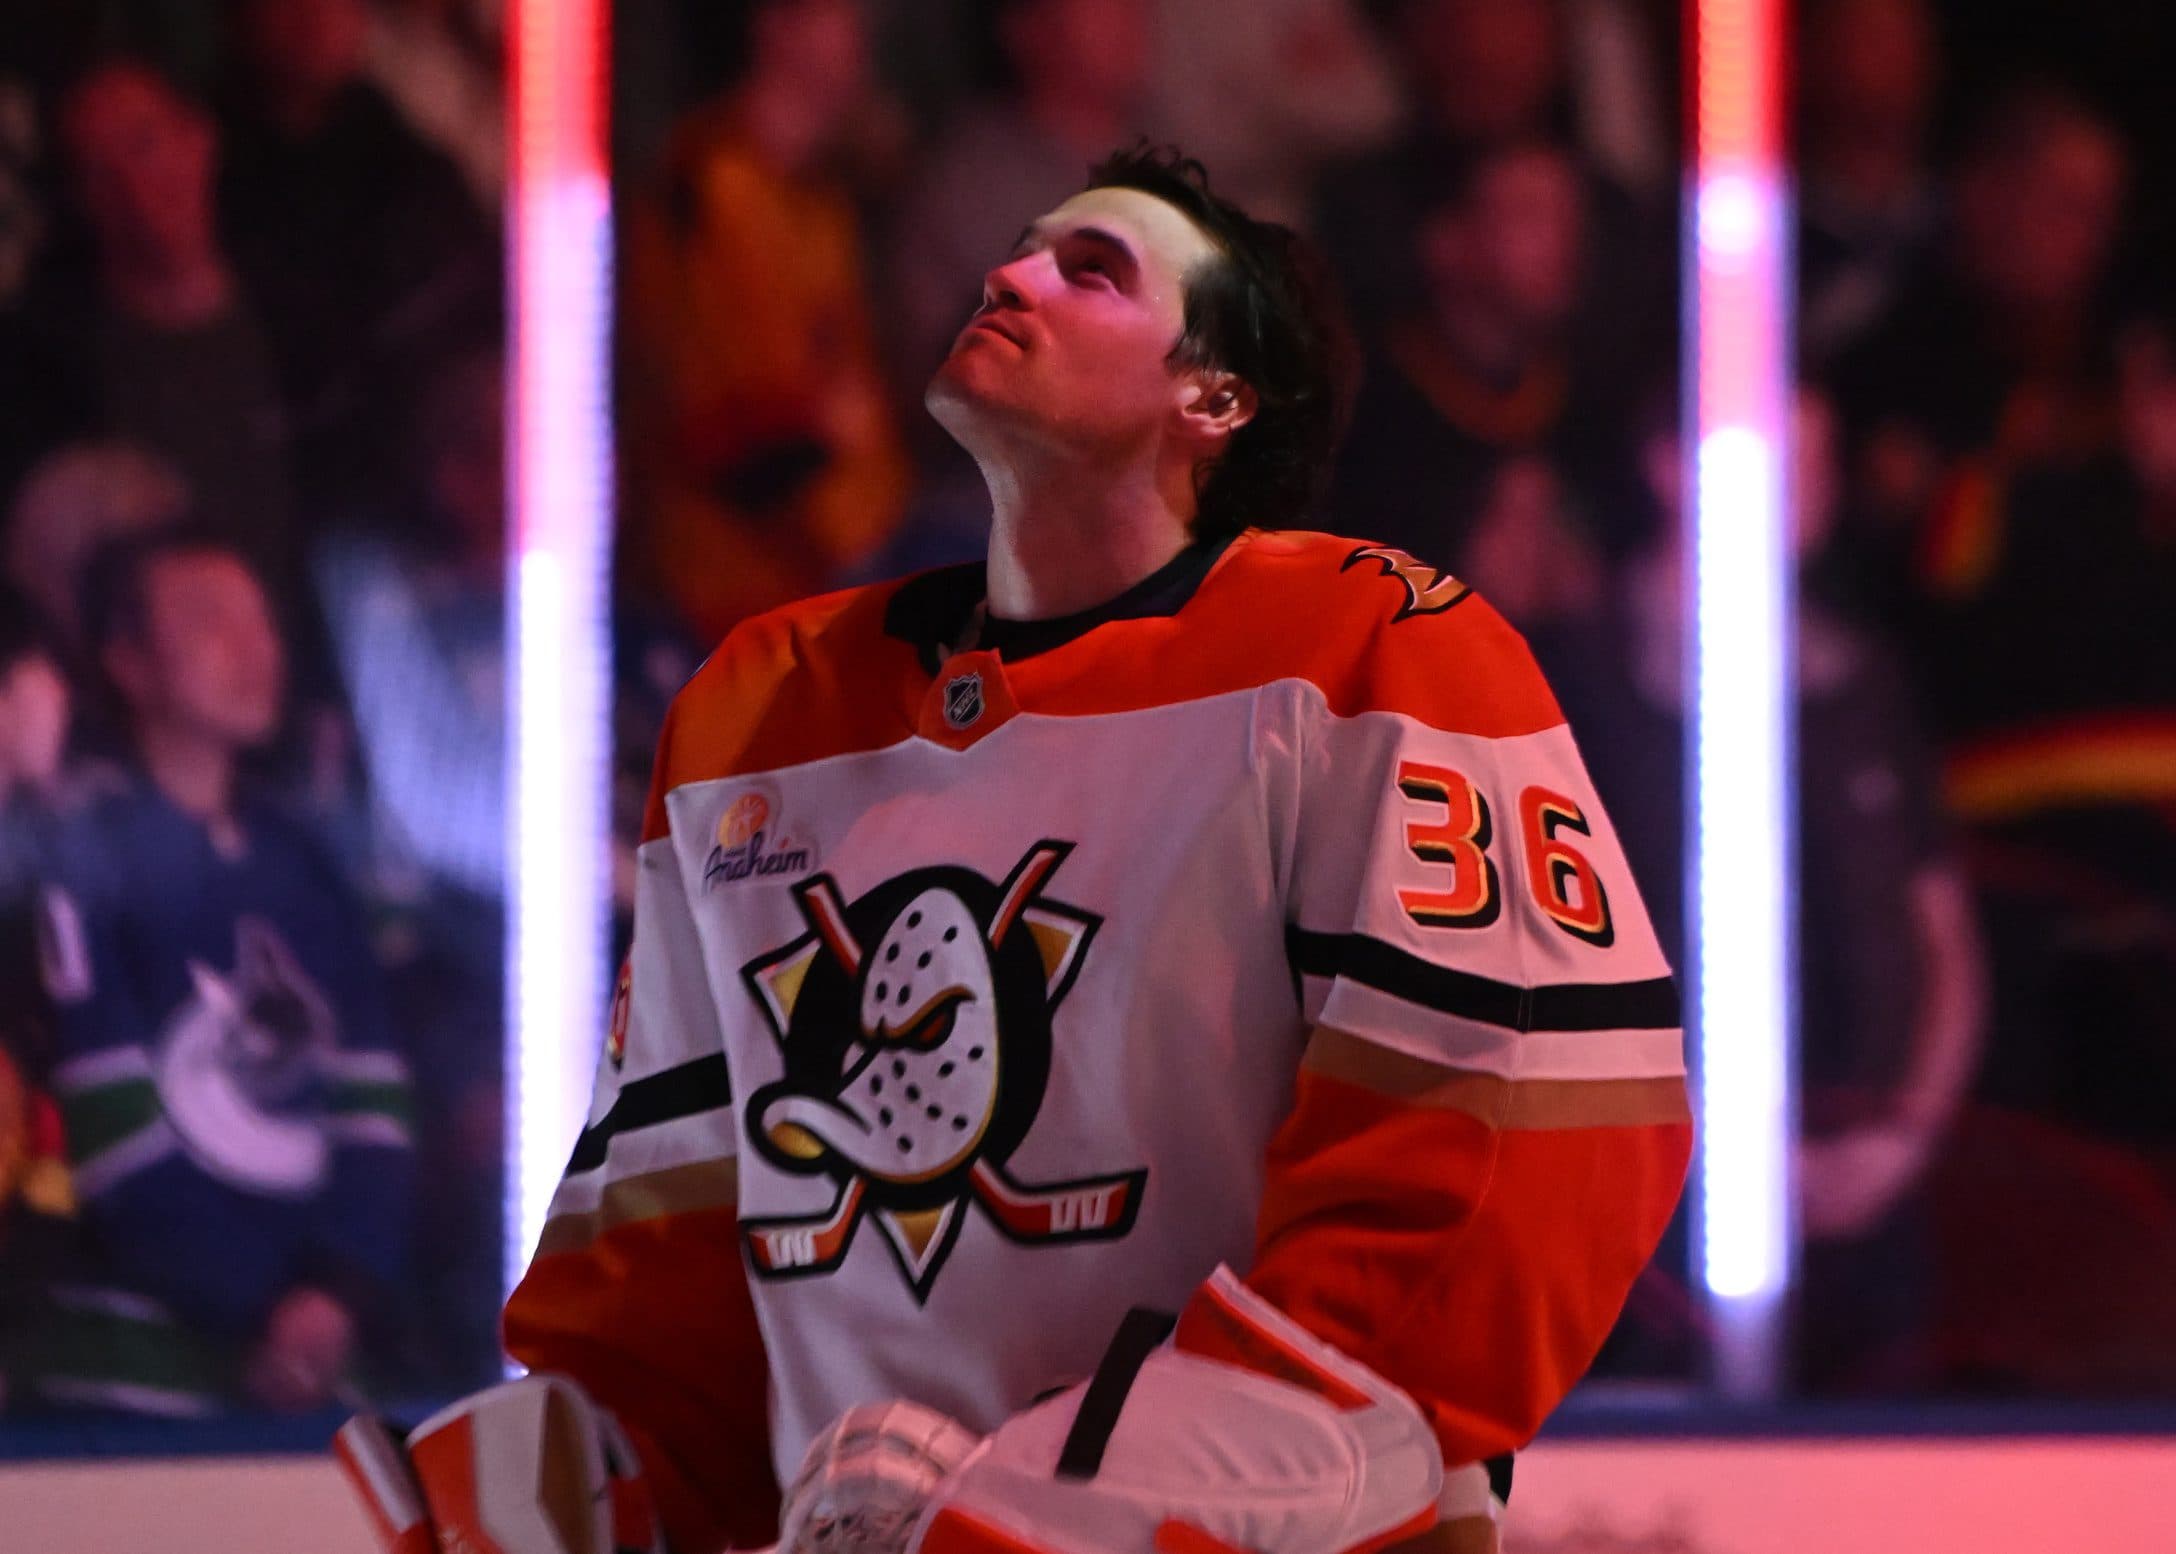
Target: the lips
pixel 989 322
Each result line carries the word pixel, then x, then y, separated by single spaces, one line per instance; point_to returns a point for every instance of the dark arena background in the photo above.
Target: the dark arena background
pixel 400 398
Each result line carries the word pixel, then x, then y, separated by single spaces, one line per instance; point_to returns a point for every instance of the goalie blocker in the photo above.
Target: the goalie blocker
pixel 526 1467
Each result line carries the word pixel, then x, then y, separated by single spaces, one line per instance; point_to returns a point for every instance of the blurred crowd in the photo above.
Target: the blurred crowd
pixel 252 610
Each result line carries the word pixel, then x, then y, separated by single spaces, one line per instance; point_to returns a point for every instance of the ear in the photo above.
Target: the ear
pixel 1215 405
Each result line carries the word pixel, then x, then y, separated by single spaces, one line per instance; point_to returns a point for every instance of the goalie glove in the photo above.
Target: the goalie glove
pixel 526 1467
pixel 864 1482
pixel 1249 1436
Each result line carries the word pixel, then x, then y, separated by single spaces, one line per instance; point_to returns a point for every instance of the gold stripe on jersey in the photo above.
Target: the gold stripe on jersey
pixel 704 1184
pixel 1492 1099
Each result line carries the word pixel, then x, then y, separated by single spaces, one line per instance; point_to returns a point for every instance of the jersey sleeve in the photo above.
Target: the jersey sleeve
pixel 637 1289
pixel 1490 1129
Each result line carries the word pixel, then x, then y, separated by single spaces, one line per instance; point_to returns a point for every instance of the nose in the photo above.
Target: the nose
pixel 1007 285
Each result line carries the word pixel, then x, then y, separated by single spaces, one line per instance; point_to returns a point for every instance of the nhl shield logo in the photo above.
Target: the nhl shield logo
pixel 915 1028
pixel 963 700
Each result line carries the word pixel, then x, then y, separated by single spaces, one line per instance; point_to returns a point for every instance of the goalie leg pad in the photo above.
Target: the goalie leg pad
pixel 1271 1443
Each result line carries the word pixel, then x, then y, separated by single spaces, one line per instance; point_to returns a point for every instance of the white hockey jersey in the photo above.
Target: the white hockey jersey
pixel 1264 917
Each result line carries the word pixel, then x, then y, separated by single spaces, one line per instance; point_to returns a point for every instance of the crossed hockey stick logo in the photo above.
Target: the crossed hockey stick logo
pixel 915 1025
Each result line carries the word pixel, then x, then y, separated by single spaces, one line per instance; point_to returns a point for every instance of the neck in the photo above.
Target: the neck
pixel 171 293
pixel 788 128
pixel 1066 537
pixel 195 772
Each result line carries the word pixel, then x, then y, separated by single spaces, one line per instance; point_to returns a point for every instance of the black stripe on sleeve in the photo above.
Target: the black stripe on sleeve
pixel 699 1085
pixel 1571 1006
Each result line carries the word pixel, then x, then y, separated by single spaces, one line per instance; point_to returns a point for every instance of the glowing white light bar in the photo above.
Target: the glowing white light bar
pixel 560 466
pixel 1739 364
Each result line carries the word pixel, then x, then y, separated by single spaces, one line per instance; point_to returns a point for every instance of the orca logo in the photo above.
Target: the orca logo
pixel 242 1064
pixel 1427 590
pixel 915 1023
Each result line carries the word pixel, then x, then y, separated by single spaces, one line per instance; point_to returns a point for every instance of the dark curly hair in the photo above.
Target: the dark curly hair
pixel 1265 311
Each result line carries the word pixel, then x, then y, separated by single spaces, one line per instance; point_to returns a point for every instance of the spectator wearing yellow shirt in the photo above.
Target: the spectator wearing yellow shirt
pixel 762 456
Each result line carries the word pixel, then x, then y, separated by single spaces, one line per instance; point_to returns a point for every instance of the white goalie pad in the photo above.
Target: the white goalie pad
pixel 1279 1445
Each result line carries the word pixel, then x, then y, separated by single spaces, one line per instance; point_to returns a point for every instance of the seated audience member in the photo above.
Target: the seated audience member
pixel 37 1200
pixel 1484 75
pixel 235 1103
pixel 161 339
pixel 73 501
pixel 1868 207
pixel 1891 972
pixel 1483 439
pixel 761 454
pixel 358 239
pixel 1998 355
pixel 416 606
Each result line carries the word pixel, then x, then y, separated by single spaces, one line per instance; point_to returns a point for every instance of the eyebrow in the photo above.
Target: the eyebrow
pixel 1034 232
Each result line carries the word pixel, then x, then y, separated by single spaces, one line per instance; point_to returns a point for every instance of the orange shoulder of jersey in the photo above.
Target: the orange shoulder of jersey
pixel 816 678
pixel 1371 628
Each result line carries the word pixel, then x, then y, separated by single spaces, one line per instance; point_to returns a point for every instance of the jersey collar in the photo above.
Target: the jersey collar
pixel 932 610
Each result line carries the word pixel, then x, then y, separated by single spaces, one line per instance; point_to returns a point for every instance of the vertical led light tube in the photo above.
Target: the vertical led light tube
pixel 1743 831
pixel 560 468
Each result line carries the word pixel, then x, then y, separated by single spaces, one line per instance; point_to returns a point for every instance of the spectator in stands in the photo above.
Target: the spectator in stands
pixel 1485 75
pixel 358 240
pixel 1268 92
pixel 2050 670
pixel 1891 972
pixel 416 603
pixel 235 1102
pixel 762 454
pixel 77 498
pixel 1482 441
pixel 1999 354
pixel 37 1199
pixel 1868 206
pixel 162 340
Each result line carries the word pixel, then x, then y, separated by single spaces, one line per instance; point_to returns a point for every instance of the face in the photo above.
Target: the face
pixel 210 660
pixel 1071 346
pixel 2038 228
pixel 310 46
pixel 142 160
pixel 1515 245
pixel 34 706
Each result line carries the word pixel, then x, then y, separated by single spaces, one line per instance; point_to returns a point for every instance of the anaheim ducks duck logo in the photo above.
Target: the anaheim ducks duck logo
pixel 915 1026
pixel 1428 591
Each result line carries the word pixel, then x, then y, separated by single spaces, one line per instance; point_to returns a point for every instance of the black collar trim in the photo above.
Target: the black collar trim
pixel 931 611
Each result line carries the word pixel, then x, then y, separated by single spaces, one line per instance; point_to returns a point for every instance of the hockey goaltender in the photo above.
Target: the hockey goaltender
pixel 1179 913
